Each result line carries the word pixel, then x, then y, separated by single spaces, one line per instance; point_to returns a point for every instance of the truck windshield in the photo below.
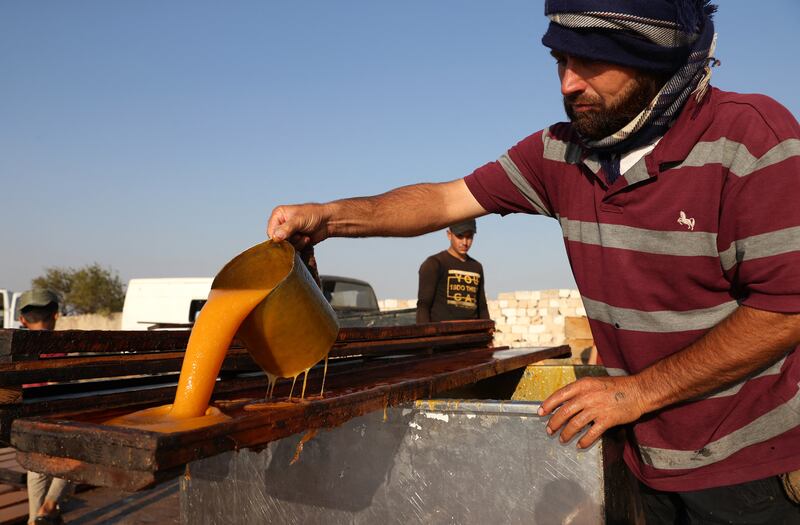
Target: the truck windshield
pixel 348 296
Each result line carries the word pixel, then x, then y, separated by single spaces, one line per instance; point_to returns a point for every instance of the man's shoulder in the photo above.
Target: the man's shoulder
pixel 558 142
pixel 756 100
pixel 749 110
pixel 435 259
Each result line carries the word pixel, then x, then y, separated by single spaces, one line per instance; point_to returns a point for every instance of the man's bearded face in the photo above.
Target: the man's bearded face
pixel 606 116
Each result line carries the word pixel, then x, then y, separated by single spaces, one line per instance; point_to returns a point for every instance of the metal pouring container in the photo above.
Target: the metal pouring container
pixel 293 327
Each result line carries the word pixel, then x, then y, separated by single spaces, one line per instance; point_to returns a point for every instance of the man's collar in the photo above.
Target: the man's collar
pixel 676 144
pixel 683 135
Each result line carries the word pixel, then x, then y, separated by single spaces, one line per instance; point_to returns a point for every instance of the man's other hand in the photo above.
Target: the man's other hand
pixel 300 224
pixel 598 403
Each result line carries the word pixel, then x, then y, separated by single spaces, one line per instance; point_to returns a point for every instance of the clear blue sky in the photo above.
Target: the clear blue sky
pixel 155 137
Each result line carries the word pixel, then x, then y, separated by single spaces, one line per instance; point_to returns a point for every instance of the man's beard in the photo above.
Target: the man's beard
pixel 606 120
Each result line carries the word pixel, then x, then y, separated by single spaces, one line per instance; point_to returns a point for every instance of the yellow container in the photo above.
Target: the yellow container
pixel 540 381
pixel 293 327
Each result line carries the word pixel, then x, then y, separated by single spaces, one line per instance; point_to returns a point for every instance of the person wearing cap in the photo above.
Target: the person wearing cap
pixel 677 202
pixel 451 283
pixel 39 311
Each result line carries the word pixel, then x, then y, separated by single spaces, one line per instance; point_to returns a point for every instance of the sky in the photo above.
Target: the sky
pixel 154 137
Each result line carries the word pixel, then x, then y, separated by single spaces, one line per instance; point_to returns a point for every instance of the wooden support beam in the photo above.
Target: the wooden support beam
pixel 20 345
pixel 74 368
pixel 145 365
pixel 57 369
pixel 83 450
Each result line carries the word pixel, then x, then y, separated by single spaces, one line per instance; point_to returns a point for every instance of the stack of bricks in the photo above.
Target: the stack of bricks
pixel 523 318
pixel 387 305
pixel 534 318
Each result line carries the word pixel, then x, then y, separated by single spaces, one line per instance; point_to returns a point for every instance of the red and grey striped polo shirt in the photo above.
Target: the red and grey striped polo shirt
pixel 708 220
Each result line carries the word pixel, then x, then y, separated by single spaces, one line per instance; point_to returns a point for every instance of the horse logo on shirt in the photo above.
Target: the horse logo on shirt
pixel 686 221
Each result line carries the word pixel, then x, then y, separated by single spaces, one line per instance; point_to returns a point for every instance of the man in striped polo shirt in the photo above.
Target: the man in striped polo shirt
pixel 678 207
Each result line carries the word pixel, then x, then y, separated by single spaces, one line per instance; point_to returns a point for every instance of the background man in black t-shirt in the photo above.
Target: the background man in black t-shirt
pixel 451 282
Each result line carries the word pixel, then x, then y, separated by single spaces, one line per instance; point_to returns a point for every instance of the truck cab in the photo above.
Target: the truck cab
pixel 349 296
pixel 355 304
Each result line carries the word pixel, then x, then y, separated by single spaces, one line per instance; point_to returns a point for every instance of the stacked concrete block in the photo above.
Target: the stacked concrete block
pixel 524 317
pixel 534 317
pixel 90 322
pixel 387 305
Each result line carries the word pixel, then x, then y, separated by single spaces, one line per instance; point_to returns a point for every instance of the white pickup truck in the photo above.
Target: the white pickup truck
pixel 9 310
pixel 175 302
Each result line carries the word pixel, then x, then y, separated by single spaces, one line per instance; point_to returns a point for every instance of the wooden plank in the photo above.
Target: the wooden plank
pixel 113 400
pixel 16 345
pixel 28 344
pixel 410 345
pixel 140 390
pixel 100 385
pixel 9 462
pixel 132 458
pixel 14 514
pixel 16 476
pixel 10 395
pixel 10 469
pixel 414 330
pixel 10 498
pixel 577 328
pixel 133 398
pixel 7 343
pixel 74 368
pixel 582 350
pixel 101 475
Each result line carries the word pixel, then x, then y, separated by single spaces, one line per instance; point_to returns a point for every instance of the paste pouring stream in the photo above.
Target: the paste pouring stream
pixel 266 298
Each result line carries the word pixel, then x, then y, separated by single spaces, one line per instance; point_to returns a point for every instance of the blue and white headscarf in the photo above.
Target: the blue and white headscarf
pixel 665 36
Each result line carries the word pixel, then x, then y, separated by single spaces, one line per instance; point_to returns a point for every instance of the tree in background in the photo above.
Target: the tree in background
pixel 87 290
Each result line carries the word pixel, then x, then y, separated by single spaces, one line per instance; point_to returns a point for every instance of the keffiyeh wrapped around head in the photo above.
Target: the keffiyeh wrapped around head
pixel 664 36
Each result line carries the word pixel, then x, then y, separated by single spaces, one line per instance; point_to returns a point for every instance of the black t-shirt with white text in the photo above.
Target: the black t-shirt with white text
pixel 450 289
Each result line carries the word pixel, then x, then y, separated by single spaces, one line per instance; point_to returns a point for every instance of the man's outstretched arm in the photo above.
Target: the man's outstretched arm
pixel 747 341
pixel 402 212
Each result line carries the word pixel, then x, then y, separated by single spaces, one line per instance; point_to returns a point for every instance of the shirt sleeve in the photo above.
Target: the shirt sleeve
pixel 759 232
pixel 428 276
pixel 514 183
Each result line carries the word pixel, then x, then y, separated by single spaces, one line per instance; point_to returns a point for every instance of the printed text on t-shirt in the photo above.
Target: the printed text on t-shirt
pixel 462 288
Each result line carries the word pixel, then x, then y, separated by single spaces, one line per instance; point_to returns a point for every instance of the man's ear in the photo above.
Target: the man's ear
pixel 22 321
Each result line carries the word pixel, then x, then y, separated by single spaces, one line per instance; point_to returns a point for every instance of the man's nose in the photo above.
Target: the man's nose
pixel 571 82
